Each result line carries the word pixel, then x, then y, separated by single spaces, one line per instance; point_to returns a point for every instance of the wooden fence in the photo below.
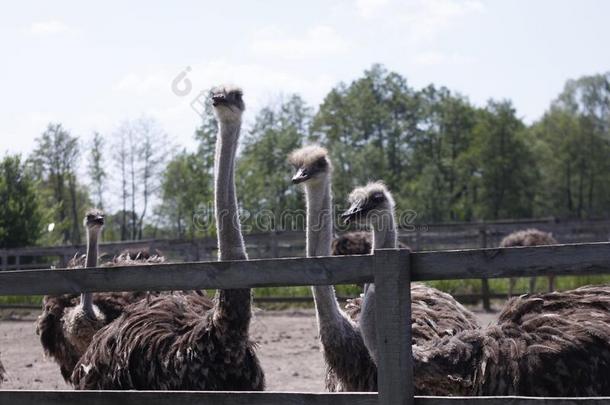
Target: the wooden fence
pixel 420 237
pixel 392 271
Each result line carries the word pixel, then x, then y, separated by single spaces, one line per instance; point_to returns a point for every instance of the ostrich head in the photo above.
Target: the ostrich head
pixel 311 163
pixel 94 220
pixel 228 103
pixel 369 205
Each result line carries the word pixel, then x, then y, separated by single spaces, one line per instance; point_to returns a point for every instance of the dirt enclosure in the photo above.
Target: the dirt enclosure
pixel 288 348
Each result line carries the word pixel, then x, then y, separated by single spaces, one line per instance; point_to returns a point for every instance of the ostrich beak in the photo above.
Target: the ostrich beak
pixel 353 212
pixel 301 175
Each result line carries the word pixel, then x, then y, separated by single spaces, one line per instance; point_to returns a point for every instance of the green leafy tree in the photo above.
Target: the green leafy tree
pixel 508 169
pixel 369 127
pixel 22 216
pixel 187 196
pixel 263 173
pixel 440 175
pixel 575 134
pixel 95 168
pixel 55 162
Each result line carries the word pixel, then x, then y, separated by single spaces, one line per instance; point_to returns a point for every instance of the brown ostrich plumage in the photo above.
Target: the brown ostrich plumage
pixel 528 237
pixel 352 243
pixel 434 315
pixel 356 243
pixel 553 344
pixel 176 342
pixel 170 344
pixel 65 348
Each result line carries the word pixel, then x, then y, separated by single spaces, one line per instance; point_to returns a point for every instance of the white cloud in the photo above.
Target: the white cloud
pixel 152 87
pixel 50 27
pixel 318 41
pixel 367 8
pixel 426 18
pixel 422 19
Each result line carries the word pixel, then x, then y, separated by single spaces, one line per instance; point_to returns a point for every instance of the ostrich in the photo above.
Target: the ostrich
pixel 171 343
pixel 82 321
pixel 65 326
pixel 355 243
pixel 352 243
pixel 433 313
pixel 551 344
pixel 349 366
pixel 529 237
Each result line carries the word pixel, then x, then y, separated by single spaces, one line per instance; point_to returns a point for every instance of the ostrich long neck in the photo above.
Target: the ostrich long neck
pixel 86 298
pixel 384 237
pixel 384 231
pixel 232 305
pixel 343 347
pixel 319 239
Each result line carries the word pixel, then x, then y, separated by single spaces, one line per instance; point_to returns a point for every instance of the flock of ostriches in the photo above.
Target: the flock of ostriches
pixel 552 344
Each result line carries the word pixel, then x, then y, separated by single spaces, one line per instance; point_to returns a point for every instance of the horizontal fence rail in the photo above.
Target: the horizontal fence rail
pixel 259 398
pixel 390 269
pixel 188 276
pixel 574 259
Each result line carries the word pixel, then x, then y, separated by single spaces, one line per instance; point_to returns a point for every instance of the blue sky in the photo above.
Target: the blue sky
pixel 90 67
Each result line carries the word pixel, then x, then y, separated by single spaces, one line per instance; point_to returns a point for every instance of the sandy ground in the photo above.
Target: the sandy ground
pixel 288 348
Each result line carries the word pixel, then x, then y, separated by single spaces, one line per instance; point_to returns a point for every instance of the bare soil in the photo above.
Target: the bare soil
pixel 289 350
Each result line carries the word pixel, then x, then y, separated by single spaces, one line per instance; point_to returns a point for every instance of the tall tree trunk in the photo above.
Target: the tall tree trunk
pixel 74 206
pixel 133 192
pixel 569 188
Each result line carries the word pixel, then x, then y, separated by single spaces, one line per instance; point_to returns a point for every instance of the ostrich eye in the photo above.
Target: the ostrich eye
pixel 378 197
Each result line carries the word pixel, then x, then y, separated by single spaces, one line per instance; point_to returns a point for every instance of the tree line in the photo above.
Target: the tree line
pixel 443 157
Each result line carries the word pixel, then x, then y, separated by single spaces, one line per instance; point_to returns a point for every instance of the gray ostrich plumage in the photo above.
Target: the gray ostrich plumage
pixel 350 367
pixel 171 342
pixel 552 344
pixel 434 314
pixel 528 237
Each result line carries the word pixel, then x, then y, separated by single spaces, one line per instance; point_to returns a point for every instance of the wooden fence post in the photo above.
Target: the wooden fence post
pixel 393 316
pixel 4 261
pixel 484 281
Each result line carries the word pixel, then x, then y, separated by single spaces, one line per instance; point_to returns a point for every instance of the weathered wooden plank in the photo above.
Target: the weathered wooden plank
pixel 182 398
pixel 23 397
pixel 195 275
pixel 510 401
pixel 572 259
pixel 575 259
pixel 393 321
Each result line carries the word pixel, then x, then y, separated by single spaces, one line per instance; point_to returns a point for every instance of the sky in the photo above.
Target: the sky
pixel 92 66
